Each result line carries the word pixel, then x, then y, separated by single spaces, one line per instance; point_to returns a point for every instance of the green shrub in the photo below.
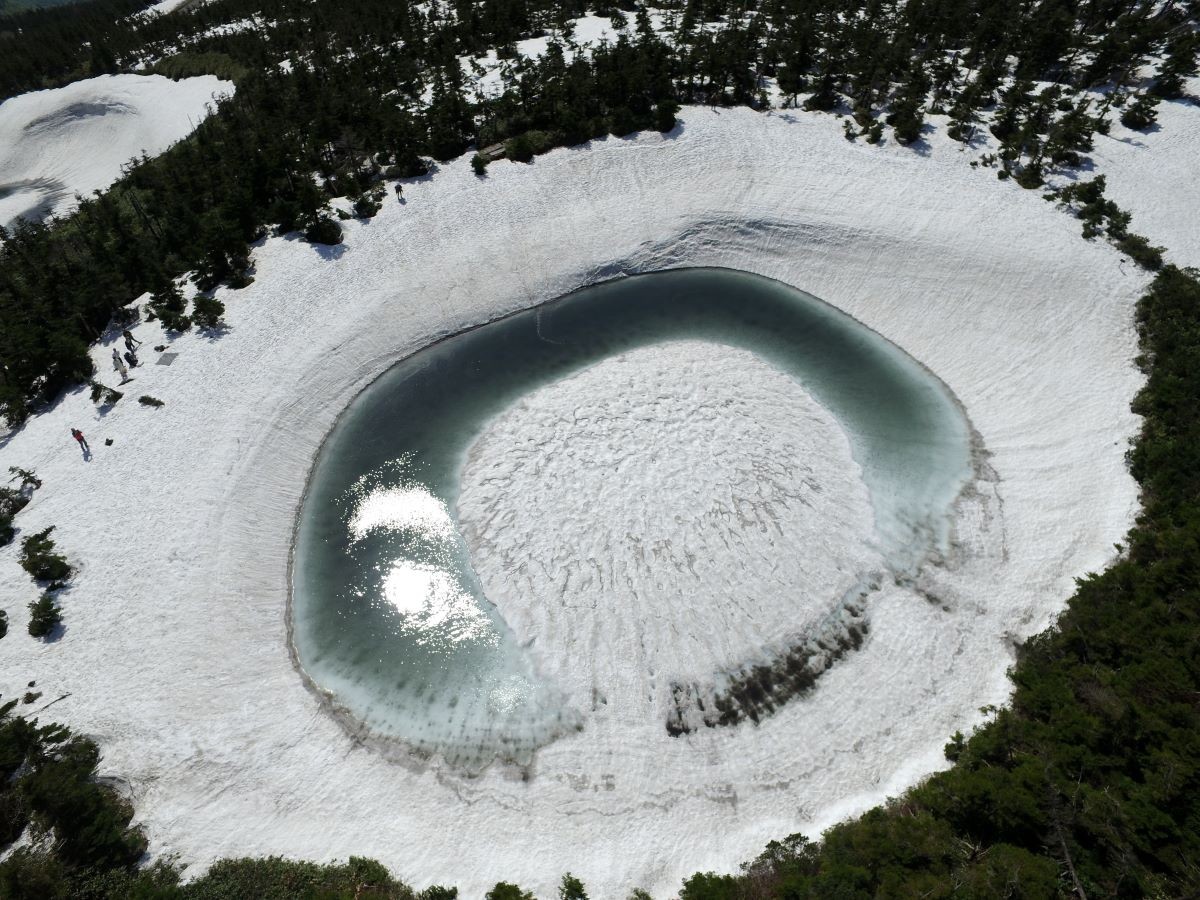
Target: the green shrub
pixel 40 561
pixel 665 115
pixel 519 148
pixel 571 888
pixel 1030 177
pixel 275 878
pixel 13 500
pixel 505 891
pixel 29 481
pixel 323 230
pixel 708 886
pixel 147 400
pixel 1142 114
pixel 207 311
pixel 366 206
pixel 1139 250
pixel 104 395
pixel 44 615
pixel 479 165
pixel 11 503
pixel 189 64
pixel 168 304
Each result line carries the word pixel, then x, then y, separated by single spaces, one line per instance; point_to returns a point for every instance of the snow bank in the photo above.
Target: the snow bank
pixel 1155 175
pixel 175 653
pixel 160 9
pixel 73 140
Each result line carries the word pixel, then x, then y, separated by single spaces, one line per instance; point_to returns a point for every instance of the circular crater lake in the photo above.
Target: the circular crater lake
pixel 390 619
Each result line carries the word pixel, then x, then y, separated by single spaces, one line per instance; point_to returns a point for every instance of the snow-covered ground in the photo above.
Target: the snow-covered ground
pixel 160 9
pixel 72 140
pixel 175 655
pixel 487 73
pixel 1155 174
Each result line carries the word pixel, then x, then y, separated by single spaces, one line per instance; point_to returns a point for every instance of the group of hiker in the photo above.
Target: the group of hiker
pixel 119 366
pixel 131 343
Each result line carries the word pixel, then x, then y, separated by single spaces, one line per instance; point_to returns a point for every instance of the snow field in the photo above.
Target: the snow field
pixel 72 140
pixel 1156 176
pixel 175 651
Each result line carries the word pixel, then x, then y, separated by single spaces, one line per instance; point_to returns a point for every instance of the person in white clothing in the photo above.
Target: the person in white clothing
pixel 119 366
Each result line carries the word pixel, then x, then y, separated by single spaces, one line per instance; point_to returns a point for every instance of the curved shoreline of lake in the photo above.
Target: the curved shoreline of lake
pixel 404 437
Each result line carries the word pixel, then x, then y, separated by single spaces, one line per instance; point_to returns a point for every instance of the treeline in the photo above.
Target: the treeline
pixel 362 89
pixel 44 48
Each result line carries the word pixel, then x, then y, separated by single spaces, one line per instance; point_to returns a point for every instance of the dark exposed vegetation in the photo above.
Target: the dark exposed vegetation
pixel 47 47
pixel 757 692
pixel 503 890
pixel 41 562
pixel 1103 216
pixel 50 570
pixel 15 499
pixel 104 396
pixel 44 616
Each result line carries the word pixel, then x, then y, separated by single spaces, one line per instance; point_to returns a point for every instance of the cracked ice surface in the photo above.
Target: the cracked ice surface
pixel 667 514
pixel 175 650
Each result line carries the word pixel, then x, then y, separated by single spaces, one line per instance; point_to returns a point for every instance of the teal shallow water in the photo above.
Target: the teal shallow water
pixel 387 614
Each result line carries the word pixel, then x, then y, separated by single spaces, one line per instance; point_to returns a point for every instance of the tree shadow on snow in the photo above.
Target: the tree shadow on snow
pixel 674 133
pixel 55 635
pixel 1130 141
pixel 325 251
pixel 920 146
pixel 214 333
pixel 330 251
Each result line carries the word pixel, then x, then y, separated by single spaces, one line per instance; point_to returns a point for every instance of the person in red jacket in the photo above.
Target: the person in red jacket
pixel 83 444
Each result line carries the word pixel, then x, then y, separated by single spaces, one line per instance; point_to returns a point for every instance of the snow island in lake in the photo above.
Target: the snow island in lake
pixel 665 498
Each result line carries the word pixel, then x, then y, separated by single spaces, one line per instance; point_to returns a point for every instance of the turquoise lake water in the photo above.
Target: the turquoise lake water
pixel 387 614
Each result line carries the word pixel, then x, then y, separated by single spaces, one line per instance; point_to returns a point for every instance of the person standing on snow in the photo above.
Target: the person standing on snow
pixel 131 358
pixel 83 444
pixel 130 341
pixel 119 366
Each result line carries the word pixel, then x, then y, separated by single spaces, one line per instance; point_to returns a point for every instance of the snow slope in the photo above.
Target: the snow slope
pixel 174 655
pixel 1164 206
pixel 72 140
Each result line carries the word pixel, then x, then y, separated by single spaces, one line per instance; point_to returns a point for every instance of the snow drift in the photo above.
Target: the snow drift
pixel 72 140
